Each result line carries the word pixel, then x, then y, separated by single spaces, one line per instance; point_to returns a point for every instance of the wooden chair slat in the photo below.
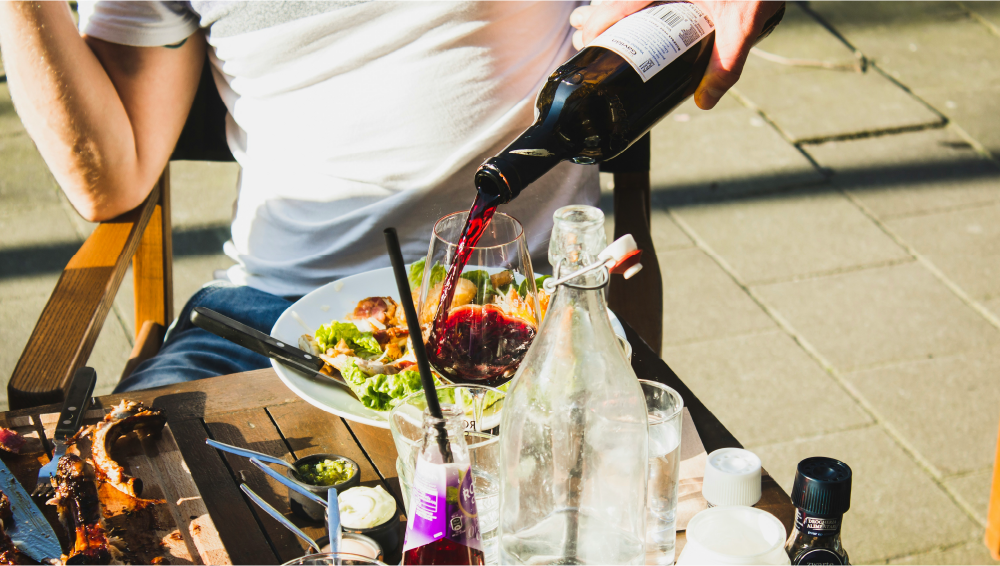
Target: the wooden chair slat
pixel 77 308
pixel 993 515
pixel 152 264
pixel 638 300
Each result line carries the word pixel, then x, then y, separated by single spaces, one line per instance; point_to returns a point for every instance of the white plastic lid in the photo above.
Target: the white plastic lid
pixel 732 477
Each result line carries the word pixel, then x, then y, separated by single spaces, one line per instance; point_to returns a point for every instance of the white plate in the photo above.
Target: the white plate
pixel 334 301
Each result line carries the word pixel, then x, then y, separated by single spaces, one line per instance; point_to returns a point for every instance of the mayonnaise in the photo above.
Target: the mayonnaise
pixel 365 507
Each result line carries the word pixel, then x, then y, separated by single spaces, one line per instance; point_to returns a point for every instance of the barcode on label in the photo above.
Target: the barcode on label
pixel 668 16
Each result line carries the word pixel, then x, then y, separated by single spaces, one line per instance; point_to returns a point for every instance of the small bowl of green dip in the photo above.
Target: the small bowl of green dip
pixel 318 473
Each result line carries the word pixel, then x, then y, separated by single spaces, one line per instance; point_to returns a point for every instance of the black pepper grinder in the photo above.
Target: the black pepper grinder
pixel 821 494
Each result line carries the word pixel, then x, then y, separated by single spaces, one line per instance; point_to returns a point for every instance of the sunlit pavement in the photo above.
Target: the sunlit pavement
pixel 830 246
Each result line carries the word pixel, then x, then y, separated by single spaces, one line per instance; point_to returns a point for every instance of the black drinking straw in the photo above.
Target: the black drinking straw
pixel 412 322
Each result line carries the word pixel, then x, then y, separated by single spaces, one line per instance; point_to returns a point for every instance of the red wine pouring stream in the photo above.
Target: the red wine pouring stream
pixel 592 108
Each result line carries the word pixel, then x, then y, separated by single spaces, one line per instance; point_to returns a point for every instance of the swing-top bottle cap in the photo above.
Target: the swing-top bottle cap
pixel 822 486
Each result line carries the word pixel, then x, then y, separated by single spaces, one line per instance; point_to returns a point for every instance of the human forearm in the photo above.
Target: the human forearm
pixel 101 135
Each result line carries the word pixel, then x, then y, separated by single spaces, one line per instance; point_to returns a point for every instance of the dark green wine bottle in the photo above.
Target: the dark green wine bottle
pixel 610 94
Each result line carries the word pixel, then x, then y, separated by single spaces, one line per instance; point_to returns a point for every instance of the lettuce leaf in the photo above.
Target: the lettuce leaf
pixel 484 286
pixel 363 343
pixel 416 275
pixel 378 392
pixel 523 288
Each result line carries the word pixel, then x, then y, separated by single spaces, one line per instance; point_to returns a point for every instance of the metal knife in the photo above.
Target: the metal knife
pixel 77 401
pixel 30 531
pixel 265 345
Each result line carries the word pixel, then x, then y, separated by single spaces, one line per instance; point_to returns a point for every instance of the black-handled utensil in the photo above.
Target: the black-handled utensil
pixel 77 401
pixel 265 345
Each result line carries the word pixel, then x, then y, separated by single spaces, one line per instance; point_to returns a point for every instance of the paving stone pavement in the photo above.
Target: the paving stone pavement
pixel 828 240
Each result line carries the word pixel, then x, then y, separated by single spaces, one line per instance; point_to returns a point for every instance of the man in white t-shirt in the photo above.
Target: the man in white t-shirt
pixel 346 117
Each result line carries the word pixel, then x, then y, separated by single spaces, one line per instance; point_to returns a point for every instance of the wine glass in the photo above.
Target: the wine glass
pixel 496 308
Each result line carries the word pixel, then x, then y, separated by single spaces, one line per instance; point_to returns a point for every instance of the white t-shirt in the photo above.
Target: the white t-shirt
pixel 349 117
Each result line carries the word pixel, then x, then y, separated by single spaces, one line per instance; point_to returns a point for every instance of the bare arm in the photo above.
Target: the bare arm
pixel 104 116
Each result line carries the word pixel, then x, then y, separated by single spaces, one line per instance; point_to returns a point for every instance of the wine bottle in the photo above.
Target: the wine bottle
pixel 610 94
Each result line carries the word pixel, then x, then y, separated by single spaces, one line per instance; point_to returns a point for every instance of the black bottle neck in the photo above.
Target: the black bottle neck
pixel 521 163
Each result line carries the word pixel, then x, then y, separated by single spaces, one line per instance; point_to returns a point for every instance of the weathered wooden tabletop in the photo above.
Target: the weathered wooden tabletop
pixel 255 410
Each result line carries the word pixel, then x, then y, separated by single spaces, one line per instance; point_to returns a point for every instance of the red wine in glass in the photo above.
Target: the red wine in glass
pixel 478 344
pixel 444 551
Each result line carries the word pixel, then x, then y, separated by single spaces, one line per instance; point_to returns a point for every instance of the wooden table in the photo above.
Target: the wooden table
pixel 257 411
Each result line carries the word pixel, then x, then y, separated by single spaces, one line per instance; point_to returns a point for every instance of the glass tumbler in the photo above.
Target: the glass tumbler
pixel 664 410
pixel 405 422
pixel 334 559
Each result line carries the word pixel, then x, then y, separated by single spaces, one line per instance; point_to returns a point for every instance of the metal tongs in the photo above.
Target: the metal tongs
pixel 622 256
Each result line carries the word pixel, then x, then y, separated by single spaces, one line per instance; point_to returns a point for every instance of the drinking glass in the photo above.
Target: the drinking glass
pixel 334 559
pixel 405 422
pixel 481 337
pixel 664 408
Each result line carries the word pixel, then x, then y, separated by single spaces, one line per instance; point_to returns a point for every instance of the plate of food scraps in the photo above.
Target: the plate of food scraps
pixel 354 325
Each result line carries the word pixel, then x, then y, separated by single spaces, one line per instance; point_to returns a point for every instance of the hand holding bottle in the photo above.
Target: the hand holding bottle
pixel 737 26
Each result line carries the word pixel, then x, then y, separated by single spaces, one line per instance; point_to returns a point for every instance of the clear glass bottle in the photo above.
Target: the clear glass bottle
pixel 574 442
pixel 443 526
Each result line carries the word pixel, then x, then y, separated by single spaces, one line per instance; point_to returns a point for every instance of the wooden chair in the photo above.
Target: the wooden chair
pixel 70 322
pixel 993 515
pixel 75 313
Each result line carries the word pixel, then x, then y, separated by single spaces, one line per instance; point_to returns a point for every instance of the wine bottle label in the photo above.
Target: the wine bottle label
pixel 818 556
pixel 652 38
pixel 443 505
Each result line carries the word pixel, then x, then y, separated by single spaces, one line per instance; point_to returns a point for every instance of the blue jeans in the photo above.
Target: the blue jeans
pixel 190 353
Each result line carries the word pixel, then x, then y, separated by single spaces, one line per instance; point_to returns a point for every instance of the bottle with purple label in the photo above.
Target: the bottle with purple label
pixel 443 526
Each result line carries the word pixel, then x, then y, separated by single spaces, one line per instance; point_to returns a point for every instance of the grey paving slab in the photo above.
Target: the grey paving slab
pixel 974 489
pixel 701 301
pixel 202 193
pixel 947 409
pixel 851 103
pixel 973 552
pixel 34 225
pixel 799 38
pixel 787 235
pixel 989 11
pixel 25 176
pixel 10 123
pixel 964 244
pixel 922 44
pixel 975 110
pixel 666 235
pixel 751 382
pixel 36 242
pixel 911 173
pixel 700 156
pixel 880 315
pixel 17 319
pixel 896 509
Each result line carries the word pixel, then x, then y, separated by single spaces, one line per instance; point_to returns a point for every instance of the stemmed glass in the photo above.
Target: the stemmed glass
pixel 496 309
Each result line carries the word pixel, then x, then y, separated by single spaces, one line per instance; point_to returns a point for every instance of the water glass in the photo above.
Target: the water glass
pixel 405 422
pixel 334 559
pixel 664 411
